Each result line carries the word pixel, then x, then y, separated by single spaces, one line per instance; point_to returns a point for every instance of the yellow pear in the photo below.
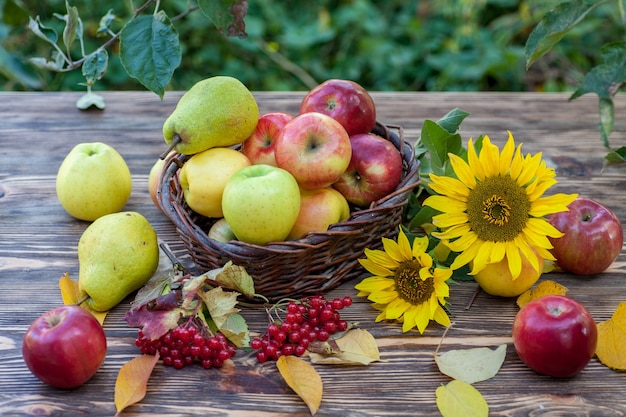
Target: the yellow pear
pixel 216 112
pixel 117 254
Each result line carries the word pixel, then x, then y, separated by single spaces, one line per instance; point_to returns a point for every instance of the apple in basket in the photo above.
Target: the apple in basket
pixel 259 147
pixel 319 209
pixel 261 203
pixel 345 101
pixel 375 170
pixel 314 148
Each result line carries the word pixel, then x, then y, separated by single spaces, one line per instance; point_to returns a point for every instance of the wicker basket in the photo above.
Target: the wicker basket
pixel 314 264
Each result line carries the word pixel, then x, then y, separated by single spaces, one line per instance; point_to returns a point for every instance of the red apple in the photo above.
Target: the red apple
pixel 314 148
pixel 344 100
pixel 319 209
pixel 64 347
pixel 555 335
pixel 375 170
pixel 592 240
pixel 259 147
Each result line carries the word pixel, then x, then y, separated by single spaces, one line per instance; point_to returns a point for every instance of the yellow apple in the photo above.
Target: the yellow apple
pixel 153 180
pixel 221 231
pixel 93 180
pixel 496 279
pixel 319 209
pixel 204 176
pixel 261 204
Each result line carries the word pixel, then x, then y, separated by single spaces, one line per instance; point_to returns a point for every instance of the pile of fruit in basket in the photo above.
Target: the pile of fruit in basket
pixel 276 176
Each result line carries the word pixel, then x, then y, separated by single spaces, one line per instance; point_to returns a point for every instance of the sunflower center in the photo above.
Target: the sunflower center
pixel 498 209
pixel 410 286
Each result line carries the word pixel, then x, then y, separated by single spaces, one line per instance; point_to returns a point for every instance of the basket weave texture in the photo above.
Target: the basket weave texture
pixel 314 264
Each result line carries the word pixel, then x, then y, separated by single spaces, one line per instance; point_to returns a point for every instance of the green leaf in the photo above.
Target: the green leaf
pixel 439 143
pixel 90 100
pixel 14 69
pixel 235 329
pixel 72 24
pixel 40 30
pixel 95 66
pixel 227 15
pixel 606 78
pixel 618 156
pixel 452 121
pixel 554 25
pixel 150 51
pixel 106 21
pixel 13 13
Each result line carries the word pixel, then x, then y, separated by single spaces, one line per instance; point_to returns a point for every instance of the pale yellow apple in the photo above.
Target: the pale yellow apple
pixel 261 204
pixel 221 231
pixel 204 176
pixel 93 180
pixel 496 279
pixel 153 180
pixel 319 209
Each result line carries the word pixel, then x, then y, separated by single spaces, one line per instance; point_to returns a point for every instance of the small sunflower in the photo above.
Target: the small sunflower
pixel 495 207
pixel 406 285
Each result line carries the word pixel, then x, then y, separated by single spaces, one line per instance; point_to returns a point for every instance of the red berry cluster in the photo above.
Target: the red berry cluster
pixel 185 345
pixel 307 320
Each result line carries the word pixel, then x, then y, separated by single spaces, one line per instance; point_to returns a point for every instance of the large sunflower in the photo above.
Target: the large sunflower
pixel 495 207
pixel 406 285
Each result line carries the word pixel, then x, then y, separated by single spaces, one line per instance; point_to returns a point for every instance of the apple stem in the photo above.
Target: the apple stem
pixel 82 300
pixel 175 141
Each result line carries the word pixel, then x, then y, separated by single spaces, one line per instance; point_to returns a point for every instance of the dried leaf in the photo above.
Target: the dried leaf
pixel 234 277
pixel 612 340
pixel 220 303
pixel 235 329
pixel 303 379
pixel 543 288
pixel 471 365
pixel 72 295
pixel 356 347
pixel 460 399
pixel 132 380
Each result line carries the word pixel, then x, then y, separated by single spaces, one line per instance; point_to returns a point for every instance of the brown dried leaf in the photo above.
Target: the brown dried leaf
pixel 303 379
pixel 132 381
pixel 72 295
pixel 546 287
pixel 612 340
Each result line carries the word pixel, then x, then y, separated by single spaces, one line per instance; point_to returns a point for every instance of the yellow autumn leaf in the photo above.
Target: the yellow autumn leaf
pixel 460 399
pixel 303 379
pixel 471 365
pixel 132 381
pixel 355 347
pixel 546 287
pixel 611 346
pixel 71 295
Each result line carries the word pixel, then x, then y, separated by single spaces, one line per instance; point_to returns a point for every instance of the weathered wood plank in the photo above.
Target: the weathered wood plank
pixel 38 245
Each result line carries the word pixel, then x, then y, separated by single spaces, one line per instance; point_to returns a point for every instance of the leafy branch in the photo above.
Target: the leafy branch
pixel 150 50
pixel 605 79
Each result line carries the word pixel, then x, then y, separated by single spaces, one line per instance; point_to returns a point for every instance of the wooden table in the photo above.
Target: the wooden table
pixel 38 245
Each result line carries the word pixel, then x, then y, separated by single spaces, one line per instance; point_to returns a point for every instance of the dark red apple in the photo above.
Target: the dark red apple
pixel 259 147
pixel 374 171
pixel 555 335
pixel 64 347
pixel 592 240
pixel 345 101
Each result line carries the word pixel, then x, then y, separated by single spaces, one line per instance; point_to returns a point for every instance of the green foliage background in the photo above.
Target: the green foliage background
pixel 436 45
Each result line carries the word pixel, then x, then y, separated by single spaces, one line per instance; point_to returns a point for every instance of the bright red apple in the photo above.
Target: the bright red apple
pixel 555 335
pixel 259 147
pixel 314 148
pixel 592 240
pixel 64 347
pixel 344 100
pixel 375 170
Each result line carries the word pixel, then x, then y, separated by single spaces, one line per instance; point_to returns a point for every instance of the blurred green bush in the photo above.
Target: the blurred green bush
pixel 437 45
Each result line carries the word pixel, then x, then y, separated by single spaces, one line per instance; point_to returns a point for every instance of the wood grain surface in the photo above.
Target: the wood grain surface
pixel 38 245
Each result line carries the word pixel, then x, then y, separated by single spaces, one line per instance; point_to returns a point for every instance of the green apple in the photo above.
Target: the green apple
pixel 93 180
pixel 319 209
pixel 261 204
pixel 204 176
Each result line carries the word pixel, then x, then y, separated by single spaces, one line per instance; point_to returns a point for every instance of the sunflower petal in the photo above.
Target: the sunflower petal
pixel 422 317
pixel 393 250
pixel 506 155
pixel 409 319
pixel 464 242
pixel 445 204
pixel 467 255
pixel 462 170
pixel 372 284
pixel 514 259
pixel 441 317
pixel 453 232
pixel 404 246
pixel 474 162
pixel 450 219
pixel 375 268
pixel 449 186
pixel 420 245
pixel 397 307
pixel 383 297
pixel 552 204
pixel 489 158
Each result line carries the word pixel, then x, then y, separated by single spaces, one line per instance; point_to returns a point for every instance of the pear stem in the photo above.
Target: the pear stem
pixel 175 141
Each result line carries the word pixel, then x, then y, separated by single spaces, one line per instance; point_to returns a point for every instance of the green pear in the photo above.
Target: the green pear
pixel 117 254
pixel 216 112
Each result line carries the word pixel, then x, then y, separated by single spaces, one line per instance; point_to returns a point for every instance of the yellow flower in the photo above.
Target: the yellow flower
pixel 495 207
pixel 406 285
